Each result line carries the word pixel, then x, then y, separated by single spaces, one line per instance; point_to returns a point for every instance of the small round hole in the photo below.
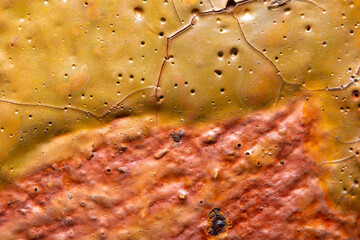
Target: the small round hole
pixel 138 11
pixel 195 11
pixel 234 52
pixel 355 95
pixel 218 72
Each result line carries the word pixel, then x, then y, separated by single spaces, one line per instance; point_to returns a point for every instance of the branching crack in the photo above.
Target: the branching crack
pixel 108 112
pixel 176 34
pixel 230 6
pixel 276 4
pixel 167 57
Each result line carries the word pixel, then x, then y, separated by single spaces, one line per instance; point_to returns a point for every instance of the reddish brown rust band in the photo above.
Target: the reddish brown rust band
pixel 164 184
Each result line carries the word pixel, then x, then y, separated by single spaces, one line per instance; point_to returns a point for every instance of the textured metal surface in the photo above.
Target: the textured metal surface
pixel 190 80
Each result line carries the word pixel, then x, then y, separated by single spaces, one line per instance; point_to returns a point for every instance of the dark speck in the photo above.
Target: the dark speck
pixel 177 136
pixel 217 222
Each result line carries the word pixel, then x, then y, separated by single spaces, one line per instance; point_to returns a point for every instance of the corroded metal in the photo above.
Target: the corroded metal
pixel 155 113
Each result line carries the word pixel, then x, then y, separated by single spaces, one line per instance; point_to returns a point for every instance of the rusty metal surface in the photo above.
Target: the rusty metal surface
pixel 179 119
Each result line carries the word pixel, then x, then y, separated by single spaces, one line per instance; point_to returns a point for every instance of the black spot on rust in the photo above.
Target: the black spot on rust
pixel 177 136
pixel 217 223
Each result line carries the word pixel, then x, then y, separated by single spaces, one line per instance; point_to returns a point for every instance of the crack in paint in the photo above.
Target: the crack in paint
pixel 346 192
pixel 177 14
pixel 111 110
pixel 52 107
pixel 258 51
pixel 211 4
pixel 229 8
pixel 278 3
pixel 338 161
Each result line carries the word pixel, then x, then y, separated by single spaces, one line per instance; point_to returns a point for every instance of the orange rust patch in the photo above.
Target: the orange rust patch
pixel 127 193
